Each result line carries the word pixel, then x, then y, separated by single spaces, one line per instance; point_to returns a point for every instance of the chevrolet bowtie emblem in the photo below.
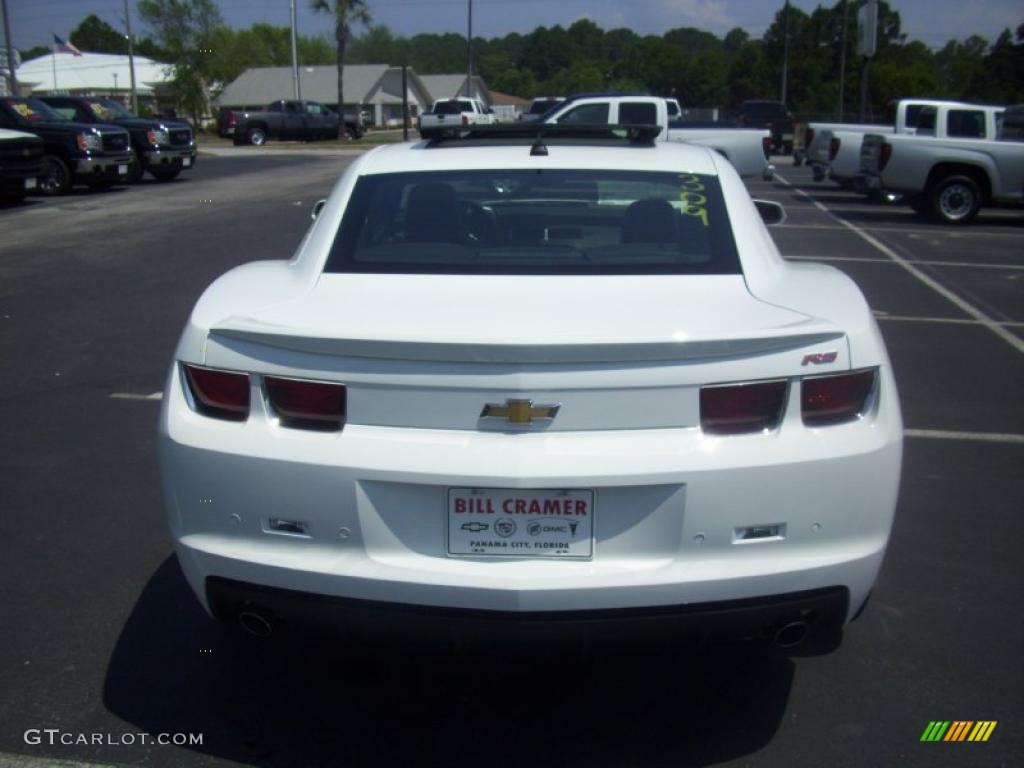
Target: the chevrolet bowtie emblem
pixel 520 411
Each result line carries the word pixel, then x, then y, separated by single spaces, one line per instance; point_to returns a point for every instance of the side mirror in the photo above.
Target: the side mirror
pixel 772 213
pixel 319 206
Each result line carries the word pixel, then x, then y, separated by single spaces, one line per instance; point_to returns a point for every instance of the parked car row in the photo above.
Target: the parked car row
pixel 287 119
pixel 64 141
pixel 946 159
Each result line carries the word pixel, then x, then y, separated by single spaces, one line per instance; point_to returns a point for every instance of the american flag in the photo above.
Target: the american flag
pixel 60 45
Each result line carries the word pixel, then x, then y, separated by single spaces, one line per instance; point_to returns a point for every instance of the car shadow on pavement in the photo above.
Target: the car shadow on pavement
pixel 317 701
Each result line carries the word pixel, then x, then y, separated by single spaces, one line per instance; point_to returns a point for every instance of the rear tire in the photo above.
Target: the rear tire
pixel 256 136
pixel 955 199
pixel 55 178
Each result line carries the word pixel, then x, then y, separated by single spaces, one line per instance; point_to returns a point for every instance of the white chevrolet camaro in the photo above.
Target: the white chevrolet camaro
pixel 556 378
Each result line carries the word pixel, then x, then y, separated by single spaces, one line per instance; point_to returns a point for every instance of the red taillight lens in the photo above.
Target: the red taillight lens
pixel 766 147
pixel 738 408
pixel 231 119
pixel 835 399
pixel 221 394
pixel 833 148
pixel 465 119
pixel 884 153
pixel 307 404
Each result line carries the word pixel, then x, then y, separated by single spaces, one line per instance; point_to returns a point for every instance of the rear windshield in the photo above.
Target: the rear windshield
pixel 535 222
pixel 452 107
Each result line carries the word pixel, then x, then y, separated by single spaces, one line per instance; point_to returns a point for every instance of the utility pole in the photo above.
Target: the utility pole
pixel 296 87
pixel 131 56
pixel 469 54
pixel 785 48
pixel 10 50
pixel 405 102
pixel 842 65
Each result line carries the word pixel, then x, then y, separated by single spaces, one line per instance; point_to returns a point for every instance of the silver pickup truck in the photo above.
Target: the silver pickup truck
pixel 833 149
pixel 746 148
pixel 979 163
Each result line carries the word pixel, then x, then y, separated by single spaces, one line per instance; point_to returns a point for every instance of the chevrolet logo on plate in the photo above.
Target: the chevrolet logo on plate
pixel 520 411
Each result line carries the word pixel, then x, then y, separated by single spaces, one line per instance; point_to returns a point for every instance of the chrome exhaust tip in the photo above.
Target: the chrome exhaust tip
pixel 791 634
pixel 255 624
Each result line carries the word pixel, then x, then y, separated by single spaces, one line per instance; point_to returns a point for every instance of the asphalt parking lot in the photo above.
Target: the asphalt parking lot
pixel 100 634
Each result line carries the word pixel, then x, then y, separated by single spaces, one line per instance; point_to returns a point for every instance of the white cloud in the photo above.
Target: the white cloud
pixel 710 15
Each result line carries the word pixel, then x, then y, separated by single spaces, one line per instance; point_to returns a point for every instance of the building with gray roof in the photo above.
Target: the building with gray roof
pixel 373 88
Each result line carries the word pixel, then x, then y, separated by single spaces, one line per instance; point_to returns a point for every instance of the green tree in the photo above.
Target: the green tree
pixel 960 64
pixel 34 52
pixel 94 34
pixel 185 30
pixel 346 13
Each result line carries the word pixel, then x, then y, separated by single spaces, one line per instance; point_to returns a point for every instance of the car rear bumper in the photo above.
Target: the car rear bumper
pixel 668 506
pixel 820 610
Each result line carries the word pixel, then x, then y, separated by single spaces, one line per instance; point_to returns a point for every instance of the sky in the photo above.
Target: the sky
pixel 933 22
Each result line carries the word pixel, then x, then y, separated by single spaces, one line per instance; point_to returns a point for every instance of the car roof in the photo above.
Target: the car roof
pixel 485 155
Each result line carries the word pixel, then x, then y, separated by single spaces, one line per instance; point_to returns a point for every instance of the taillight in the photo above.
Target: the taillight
pixel 766 147
pixel 231 118
pixel 884 153
pixel 808 137
pixel 833 148
pixel 465 119
pixel 307 404
pixel 221 394
pixel 737 408
pixel 835 399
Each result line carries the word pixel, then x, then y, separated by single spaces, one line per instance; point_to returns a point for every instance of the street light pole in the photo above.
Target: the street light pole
pixel 10 50
pixel 842 66
pixel 785 48
pixel 469 53
pixel 131 57
pixel 296 87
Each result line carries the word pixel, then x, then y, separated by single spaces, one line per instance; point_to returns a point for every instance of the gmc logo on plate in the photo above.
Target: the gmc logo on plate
pixel 820 358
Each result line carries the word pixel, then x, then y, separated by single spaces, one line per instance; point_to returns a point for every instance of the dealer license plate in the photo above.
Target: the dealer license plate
pixel 186 161
pixel 122 170
pixel 496 522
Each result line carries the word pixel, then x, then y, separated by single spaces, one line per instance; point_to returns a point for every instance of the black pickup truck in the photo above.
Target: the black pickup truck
pixel 283 119
pixel 163 147
pixel 21 162
pixel 773 116
pixel 73 153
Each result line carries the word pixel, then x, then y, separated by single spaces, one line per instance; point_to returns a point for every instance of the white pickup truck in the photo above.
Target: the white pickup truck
pixel 746 148
pixel 833 149
pixel 446 113
pixel 949 177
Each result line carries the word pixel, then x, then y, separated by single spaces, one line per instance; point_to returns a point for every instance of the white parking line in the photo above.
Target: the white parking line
pixel 985 437
pixel 135 396
pixel 1014 341
pixel 923 262
pixel 880 315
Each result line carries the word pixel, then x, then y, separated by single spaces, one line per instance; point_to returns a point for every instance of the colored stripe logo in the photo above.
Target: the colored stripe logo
pixel 958 730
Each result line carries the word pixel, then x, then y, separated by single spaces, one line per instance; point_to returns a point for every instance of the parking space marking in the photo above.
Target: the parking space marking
pixel 986 437
pixel 1014 341
pixel 135 396
pixel 922 262
pixel 880 315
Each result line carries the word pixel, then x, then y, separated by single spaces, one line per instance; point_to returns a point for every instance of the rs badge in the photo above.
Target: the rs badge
pixel 820 358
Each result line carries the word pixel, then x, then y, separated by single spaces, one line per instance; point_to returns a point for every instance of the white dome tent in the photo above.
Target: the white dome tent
pixel 92 74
